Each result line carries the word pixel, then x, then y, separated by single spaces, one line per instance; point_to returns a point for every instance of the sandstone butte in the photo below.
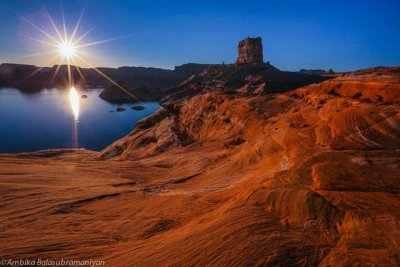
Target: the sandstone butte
pixel 250 50
pixel 217 177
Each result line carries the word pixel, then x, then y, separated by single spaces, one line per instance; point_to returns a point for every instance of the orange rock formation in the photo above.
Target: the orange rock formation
pixel 302 178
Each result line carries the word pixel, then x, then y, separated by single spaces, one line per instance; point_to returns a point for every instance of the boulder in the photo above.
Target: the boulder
pixel 137 107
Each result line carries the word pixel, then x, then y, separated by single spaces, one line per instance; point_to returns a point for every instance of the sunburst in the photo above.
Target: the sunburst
pixel 69 49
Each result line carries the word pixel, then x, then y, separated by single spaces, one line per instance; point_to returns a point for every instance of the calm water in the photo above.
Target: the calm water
pixel 62 119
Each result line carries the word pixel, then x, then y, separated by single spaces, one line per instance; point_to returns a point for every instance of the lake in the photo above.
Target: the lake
pixel 55 118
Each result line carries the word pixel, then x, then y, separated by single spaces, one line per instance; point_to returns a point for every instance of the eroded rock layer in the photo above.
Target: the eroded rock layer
pixel 250 51
pixel 224 178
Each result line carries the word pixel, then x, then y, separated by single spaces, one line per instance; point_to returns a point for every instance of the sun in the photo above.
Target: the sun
pixel 70 50
pixel 67 49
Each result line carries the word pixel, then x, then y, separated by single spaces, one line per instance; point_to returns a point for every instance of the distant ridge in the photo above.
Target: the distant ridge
pixel 31 78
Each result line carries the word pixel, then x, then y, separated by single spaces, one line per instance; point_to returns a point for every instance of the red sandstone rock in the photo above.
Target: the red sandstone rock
pixel 303 178
pixel 250 50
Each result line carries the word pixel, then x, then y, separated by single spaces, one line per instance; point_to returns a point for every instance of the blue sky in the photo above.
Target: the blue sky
pixel 343 35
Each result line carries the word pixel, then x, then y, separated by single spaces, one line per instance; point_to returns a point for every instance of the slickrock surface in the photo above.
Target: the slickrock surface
pixel 309 177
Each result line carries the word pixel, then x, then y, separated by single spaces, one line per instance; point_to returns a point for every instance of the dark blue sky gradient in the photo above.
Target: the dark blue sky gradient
pixel 343 35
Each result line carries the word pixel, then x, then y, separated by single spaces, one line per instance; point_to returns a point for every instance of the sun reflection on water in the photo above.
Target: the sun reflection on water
pixel 74 101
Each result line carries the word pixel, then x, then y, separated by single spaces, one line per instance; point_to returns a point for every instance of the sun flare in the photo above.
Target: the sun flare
pixel 67 49
pixel 70 49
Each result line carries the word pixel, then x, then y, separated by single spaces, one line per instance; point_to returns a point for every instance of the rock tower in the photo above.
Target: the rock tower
pixel 250 51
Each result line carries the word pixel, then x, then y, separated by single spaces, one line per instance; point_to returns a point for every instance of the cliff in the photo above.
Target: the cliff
pixel 250 51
